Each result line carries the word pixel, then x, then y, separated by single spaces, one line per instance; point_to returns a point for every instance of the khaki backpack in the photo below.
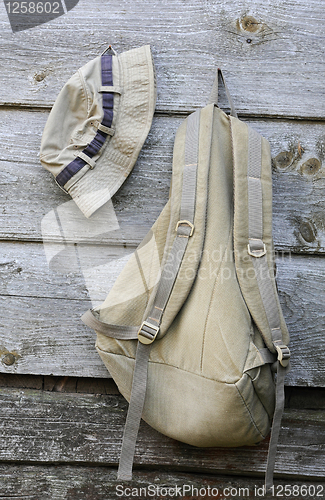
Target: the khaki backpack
pixel 193 326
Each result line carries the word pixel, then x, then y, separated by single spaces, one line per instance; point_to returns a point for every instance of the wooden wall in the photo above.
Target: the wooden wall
pixel 271 53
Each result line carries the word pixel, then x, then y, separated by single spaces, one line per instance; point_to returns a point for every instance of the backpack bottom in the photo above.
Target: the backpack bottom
pixel 196 410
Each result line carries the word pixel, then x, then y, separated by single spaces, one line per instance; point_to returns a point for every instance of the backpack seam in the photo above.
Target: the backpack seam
pixel 155 236
pixel 211 299
pixel 258 397
pixel 172 366
pixel 249 412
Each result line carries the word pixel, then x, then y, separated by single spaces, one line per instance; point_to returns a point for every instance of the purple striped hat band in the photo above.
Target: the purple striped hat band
pixel 99 140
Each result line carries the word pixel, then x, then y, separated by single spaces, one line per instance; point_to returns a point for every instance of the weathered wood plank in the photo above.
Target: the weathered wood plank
pixel 29 195
pixel 37 482
pixel 73 272
pixel 310 398
pixel 305 325
pixel 65 428
pixel 271 52
pixel 89 385
pixel 47 336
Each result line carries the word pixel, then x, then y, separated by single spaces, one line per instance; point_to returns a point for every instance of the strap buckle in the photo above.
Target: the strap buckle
pixel 147 333
pixel 185 223
pixel 256 248
pixel 283 354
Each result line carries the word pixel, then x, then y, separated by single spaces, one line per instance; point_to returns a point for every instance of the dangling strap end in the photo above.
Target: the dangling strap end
pixel 283 352
pixel 137 399
pixel 124 477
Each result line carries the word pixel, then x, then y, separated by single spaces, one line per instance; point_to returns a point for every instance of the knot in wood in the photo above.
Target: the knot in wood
pixel 308 231
pixel 250 24
pixel 8 359
pixel 283 159
pixel 311 166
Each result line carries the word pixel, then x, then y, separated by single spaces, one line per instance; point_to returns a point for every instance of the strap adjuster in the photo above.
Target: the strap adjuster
pixel 283 354
pixel 147 333
pixel 185 223
pixel 111 89
pixel 107 130
pixel 256 248
pixel 87 159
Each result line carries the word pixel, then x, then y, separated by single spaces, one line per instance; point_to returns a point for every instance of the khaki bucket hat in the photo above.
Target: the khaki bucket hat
pixel 98 125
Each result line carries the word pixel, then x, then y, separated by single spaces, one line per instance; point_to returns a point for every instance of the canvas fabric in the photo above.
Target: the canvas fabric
pixel 77 120
pixel 207 384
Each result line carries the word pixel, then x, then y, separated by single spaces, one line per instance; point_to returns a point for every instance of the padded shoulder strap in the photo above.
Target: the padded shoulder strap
pixel 186 233
pixel 253 244
pixel 253 247
pixel 183 231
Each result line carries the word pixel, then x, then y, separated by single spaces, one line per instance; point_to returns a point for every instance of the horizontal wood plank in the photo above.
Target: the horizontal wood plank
pixel 71 272
pixel 44 300
pixel 89 385
pixel 37 482
pixel 310 398
pixel 47 336
pixel 30 196
pixel 65 428
pixel 271 52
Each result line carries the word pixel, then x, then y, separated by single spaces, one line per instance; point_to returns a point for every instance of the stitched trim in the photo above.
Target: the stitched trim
pixel 85 90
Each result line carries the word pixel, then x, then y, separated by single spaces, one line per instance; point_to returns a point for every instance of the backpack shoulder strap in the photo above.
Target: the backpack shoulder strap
pixel 253 243
pixel 186 233
pixel 254 256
